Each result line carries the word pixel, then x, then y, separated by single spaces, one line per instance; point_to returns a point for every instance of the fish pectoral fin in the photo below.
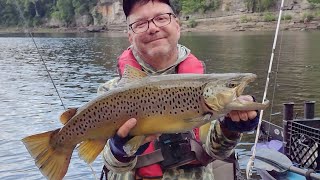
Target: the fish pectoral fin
pixel 53 162
pixel 90 149
pixel 131 74
pixel 67 115
pixel 201 119
pixel 133 145
pixel 246 105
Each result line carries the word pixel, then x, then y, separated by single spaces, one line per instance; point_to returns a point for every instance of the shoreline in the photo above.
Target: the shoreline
pixel 218 24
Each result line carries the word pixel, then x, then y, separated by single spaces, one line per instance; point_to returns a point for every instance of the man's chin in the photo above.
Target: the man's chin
pixel 158 51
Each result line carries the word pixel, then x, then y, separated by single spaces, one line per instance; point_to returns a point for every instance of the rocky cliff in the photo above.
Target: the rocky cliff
pixel 230 15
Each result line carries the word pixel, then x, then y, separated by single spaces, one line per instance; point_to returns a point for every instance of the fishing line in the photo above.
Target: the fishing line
pixel 275 82
pixel 45 65
pixel 34 42
pixel 250 164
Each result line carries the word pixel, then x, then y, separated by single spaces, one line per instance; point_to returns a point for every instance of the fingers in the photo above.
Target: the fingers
pixel 252 114
pixel 234 116
pixel 242 115
pixel 124 130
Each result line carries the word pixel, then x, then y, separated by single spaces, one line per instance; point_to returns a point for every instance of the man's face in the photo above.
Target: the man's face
pixel 156 41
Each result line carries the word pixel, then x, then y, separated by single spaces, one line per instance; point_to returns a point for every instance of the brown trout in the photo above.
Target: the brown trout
pixel 161 104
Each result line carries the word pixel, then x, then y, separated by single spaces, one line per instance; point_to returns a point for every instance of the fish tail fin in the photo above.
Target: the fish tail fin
pixel 51 161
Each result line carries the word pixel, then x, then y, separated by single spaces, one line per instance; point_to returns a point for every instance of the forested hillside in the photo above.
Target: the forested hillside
pixel 72 13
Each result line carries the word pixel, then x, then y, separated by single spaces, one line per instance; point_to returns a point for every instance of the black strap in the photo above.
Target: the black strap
pixel 104 172
pixel 155 157
pixel 148 159
pixel 201 155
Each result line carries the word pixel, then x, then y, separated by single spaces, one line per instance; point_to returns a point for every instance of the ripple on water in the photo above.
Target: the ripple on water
pixel 30 105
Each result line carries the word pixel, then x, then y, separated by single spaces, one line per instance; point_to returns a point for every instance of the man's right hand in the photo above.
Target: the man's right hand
pixel 124 130
pixel 122 137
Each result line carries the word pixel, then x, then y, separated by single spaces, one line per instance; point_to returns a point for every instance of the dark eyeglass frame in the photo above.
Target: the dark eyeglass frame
pixel 151 20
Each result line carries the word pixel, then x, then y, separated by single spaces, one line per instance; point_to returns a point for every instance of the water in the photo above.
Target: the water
pixel 78 63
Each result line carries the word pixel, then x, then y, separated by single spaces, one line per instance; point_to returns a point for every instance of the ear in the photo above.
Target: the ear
pixel 130 37
pixel 178 24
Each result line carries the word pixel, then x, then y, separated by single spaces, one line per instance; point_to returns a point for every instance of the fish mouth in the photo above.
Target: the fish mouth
pixel 246 80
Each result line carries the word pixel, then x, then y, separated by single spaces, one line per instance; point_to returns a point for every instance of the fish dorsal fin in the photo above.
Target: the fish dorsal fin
pixel 131 74
pixel 67 115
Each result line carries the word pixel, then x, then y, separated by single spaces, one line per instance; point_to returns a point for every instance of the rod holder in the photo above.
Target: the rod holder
pixel 288 111
pixel 287 118
pixel 309 109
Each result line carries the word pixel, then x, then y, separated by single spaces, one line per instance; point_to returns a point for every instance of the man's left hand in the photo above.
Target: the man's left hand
pixel 237 122
pixel 238 116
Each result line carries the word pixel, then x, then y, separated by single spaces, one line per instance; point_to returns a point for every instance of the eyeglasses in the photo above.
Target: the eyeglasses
pixel 159 21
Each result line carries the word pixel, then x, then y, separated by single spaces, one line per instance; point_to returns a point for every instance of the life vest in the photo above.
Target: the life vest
pixel 190 65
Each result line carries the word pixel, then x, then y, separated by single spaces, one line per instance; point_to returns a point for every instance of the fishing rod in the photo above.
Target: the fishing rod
pixel 38 51
pixel 250 164
pixel 45 65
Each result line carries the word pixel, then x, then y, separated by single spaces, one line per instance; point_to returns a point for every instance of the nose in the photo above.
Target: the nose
pixel 152 27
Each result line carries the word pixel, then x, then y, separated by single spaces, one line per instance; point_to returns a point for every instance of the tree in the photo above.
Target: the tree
pixel 191 6
pixel 65 11
pixel 314 1
pixel 8 13
pixel 176 5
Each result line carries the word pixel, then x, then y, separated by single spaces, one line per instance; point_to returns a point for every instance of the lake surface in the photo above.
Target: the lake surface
pixel 78 63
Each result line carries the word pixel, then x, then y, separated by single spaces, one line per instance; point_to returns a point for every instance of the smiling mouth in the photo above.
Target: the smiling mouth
pixel 154 40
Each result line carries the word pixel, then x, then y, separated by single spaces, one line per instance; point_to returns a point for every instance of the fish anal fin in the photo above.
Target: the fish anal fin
pixel 52 162
pixel 133 145
pixel 67 115
pixel 131 74
pixel 90 149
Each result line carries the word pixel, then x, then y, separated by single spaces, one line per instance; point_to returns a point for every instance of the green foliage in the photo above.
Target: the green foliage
pixel 191 6
pixel 36 12
pixel 265 4
pixel 308 17
pixel 83 7
pixel 314 1
pixel 176 6
pixel 192 23
pixel 8 14
pixel 245 19
pixel 268 17
pixel 286 17
pixel 64 11
pixel 259 5
pixel 97 16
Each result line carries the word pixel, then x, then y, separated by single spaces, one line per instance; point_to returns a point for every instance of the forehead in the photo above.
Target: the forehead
pixel 149 10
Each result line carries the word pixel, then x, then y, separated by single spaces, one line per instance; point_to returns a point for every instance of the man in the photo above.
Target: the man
pixel 154 31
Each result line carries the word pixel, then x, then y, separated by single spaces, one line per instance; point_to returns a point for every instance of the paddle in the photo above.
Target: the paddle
pixel 269 159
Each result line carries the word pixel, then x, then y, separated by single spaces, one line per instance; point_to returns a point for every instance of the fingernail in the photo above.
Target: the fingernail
pixel 132 121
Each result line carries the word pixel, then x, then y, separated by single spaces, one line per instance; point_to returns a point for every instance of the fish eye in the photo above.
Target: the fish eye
pixel 231 85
